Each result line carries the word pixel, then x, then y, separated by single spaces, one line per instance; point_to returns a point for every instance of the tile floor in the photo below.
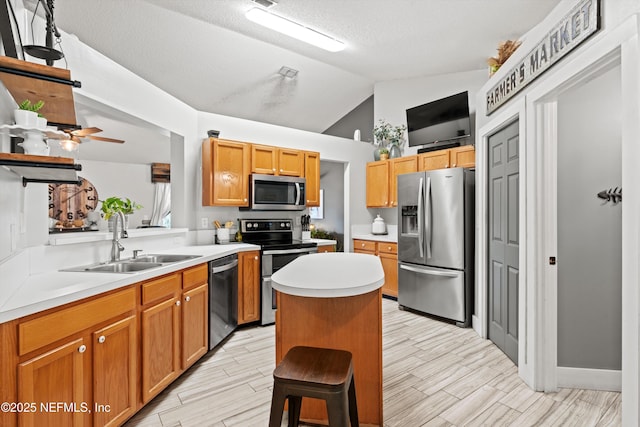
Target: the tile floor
pixel 435 374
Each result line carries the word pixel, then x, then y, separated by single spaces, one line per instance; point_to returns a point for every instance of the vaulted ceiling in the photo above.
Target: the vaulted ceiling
pixel 207 54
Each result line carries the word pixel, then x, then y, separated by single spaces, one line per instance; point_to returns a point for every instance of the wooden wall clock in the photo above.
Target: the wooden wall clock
pixel 71 203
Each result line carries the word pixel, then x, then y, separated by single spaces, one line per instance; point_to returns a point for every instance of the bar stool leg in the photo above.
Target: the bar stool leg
pixel 337 406
pixel 277 407
pixel 295 403
pixel 353 406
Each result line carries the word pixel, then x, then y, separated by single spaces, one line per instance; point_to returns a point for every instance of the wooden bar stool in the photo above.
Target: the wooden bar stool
pixel 320 373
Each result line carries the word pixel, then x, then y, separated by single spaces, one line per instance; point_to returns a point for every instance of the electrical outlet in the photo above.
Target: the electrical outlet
pixel 204 222
pixel 298 221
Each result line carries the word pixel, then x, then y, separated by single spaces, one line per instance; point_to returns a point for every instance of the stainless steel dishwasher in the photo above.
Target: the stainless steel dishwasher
pixel 223 298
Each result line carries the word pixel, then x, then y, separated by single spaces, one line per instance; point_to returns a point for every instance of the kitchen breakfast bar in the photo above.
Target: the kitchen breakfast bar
pixel 333 300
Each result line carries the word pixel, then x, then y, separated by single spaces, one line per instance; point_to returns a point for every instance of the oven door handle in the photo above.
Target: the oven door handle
pixel 224 267
pixel 289 251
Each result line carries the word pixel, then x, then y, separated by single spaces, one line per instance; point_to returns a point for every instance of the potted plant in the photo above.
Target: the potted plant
pixel 27 115
pixel 384 153
pixel 113 205
pixel 387 135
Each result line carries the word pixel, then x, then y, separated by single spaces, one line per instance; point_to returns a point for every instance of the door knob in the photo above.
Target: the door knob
pixel 102 339
pixel 178 303
pixel 187 298
pixel 82 348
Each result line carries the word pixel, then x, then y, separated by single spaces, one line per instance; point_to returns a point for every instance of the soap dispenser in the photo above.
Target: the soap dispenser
pixel 378 226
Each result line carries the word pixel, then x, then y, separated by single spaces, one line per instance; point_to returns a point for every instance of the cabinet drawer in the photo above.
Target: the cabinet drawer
pixel 364 245
pixel 195 276
pixel 387 248
pixel 165 286
pixel 49 328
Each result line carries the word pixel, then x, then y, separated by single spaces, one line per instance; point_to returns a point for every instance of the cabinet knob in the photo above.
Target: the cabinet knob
pixel 245 200
pixel 363 245
pixel 389 248
pixel 82 348
pixel 102 339
pixel 187 298
pixel 178 303
pixel 255 257
pixel 274 169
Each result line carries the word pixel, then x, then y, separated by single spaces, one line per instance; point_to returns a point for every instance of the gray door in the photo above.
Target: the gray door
pixel 503 240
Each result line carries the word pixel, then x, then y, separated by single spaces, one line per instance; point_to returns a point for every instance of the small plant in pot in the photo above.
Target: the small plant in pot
pixel 114 205
pixel 384 153
pixel 27 115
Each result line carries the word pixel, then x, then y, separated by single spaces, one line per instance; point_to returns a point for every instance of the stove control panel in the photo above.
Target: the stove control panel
pixel 255 225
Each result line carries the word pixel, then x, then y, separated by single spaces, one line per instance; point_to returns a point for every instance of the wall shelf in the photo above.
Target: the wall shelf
pixel 41 168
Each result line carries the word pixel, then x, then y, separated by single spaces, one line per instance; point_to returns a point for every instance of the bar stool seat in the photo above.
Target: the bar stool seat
pixel 320 373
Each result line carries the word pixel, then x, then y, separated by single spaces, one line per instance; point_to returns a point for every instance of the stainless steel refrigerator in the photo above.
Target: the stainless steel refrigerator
pixel 436 242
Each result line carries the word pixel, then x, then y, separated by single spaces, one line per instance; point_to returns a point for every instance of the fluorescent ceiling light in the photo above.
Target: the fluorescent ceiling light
pixel 293 29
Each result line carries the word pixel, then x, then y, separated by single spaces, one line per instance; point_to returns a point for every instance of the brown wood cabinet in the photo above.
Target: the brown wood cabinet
pixel 382 178
pixel 160 323
pixel 270 160
pixel 225 172
pixel 115 370
pixel 113 352
pixel 312 175
pixel 89 358
pixel 398 166
pixel 57 375
pixel 326 248
pixel 378 184
pixel 248 287
pixel 463 157
pixel 388 254
pixel 458 157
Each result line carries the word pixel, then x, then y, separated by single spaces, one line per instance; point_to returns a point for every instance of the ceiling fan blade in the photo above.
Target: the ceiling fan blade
pixel 86 131
pixel 102 138
pixel 75 139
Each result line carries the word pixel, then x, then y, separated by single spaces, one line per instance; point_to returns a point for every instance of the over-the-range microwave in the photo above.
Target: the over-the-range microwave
pixel 277 193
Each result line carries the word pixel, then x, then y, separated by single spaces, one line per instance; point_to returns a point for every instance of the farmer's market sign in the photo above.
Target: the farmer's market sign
pixel 573 29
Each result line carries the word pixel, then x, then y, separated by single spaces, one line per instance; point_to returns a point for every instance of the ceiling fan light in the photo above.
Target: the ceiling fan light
pixel 293 29
pixel 69 145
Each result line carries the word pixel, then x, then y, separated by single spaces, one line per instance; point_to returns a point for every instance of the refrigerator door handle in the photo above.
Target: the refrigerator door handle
pixel 420 217
pixel 428 217
pixel 429 272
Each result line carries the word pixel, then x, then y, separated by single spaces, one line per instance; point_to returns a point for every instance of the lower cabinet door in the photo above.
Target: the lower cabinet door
pixel 114 372
pixel 390 266
pixel 160 347
pixel 195 324
pixel 54 382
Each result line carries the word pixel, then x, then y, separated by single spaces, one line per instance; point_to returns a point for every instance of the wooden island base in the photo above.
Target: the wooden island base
pixel 351 323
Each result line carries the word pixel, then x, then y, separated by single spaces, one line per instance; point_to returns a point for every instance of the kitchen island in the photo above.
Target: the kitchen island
pixel 333 300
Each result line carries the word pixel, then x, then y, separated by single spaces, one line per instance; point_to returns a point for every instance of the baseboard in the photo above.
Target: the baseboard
pixel 475 324
pixel 591 379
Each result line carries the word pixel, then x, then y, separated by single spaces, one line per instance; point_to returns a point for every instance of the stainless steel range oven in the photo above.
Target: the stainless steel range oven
pixel 278 248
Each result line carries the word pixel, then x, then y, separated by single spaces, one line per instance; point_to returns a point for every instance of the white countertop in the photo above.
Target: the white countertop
pixel 391 238
pixel 43 291
pixel 322 242
pixel 330 275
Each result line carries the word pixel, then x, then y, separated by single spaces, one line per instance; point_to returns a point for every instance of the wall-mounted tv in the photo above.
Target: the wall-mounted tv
pixel 445 119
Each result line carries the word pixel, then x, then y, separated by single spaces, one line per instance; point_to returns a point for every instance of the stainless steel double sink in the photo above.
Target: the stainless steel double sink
pixel 132 265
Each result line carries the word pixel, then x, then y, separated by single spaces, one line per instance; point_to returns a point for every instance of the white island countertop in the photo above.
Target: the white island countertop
pixel 330 275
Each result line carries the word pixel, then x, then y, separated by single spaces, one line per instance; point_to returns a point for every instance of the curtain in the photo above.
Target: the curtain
pixel 162 203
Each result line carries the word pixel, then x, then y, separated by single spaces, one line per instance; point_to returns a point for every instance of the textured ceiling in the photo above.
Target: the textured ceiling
pixel 206 53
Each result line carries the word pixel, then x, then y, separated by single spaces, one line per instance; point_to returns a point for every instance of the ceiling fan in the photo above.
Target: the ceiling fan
pixel 76 136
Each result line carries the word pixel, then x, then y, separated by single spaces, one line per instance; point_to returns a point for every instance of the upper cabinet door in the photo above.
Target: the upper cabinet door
pixel 433 160
pixel 264 159
pixel 398 166
pixel 463 157
pixel 312 175
pixel 225 173
pixel 378 184
pixel 290 162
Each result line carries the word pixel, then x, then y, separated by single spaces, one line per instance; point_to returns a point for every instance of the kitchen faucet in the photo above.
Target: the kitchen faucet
pixel 116 247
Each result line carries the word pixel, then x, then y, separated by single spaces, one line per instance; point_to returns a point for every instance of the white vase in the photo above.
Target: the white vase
pixel 34 143
pixel 41 123
pixel 26 119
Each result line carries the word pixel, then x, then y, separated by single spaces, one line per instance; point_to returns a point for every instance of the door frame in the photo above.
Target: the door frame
pixel 537 113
